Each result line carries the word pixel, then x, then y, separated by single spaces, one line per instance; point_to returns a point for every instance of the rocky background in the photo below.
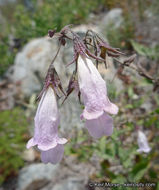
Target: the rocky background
pixel 26 52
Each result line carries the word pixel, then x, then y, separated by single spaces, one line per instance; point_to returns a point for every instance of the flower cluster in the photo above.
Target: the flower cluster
pixel 87 81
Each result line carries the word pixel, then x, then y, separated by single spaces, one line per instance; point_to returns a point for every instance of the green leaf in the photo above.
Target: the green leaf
pixel 129 106
pixel 139 170
pixel 145 51
pixel 13 126
pixel 119 179
pixel 102 144
pixel 130 92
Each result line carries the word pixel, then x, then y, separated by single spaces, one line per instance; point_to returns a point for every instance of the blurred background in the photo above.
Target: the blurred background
pixel 25 54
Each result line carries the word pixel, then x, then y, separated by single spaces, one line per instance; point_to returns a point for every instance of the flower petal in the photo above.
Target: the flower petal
pixel 91 115
pixel 61 140
pixel 55 142
pixel 46 147
pixel 100 126
pixel 111 108
pixel 30 143
pixel 146 150
pixel 93 90
pixel 46 128
pixel 46 121
pixel 53 155
pixel 143 143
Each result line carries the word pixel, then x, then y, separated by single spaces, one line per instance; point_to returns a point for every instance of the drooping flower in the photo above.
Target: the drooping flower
pixel 94 94
pixel 46 129
pixel 143 143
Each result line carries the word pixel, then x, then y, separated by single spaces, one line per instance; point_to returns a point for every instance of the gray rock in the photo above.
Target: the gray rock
pixel 70 115
pixel 110 77
pixel 70 183
pixel 72 174
pixel 83 28
pixel 149 29
pixel 147 106
pixel 31 65
pixel 111 19
pixel 36 176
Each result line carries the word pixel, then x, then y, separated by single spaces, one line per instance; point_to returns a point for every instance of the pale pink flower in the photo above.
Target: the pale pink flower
pixel 143 143
pixel 94 94
pixel 103 125
pixel 46 129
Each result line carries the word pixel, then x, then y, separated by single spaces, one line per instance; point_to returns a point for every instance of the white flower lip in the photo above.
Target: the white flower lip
pixel 143 143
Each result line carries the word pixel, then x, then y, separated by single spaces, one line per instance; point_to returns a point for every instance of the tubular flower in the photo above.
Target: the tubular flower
pixel 143 143
pixel 46 129
pixel 94 94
